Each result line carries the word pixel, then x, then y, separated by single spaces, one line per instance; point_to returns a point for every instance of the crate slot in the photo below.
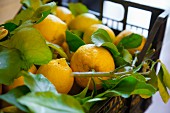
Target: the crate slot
pixel 138 17
pixel 113 10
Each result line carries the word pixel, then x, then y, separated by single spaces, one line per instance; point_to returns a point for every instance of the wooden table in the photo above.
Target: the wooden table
pixel 8 9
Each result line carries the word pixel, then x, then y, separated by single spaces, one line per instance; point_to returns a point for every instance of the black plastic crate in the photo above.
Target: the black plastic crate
pixel 155 35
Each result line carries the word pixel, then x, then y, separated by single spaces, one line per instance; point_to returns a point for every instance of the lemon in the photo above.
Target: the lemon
pixel 88 32
pixel 59 73
pixel 125 33
pixel 53 29
pixel 91 58
pixel 64 14
pixel 83 21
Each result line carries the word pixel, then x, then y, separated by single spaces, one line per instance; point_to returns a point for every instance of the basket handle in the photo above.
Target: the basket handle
pixel 159 23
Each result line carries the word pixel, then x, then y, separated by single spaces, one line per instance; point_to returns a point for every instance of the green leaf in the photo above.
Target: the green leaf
pixel 91 101
pixel 31 44
pixel 73 41
pixel 110 83
pixel 139 77
pixel 59 49
pixel 9 26
pixel 131 41
pixel 78 33
pixel 100 36
pixel 12 96
pixel 144 89
pixel 49 102
pixel 82 94
pixel 162 88
pixel 77 8
pixel 37 82
pixel 81 97
pixel 163 91
pixel 111 47
pixel 154 79
pixel 119 61
pixel 34 4
pixel 126 56
pixel 42 12
pixel 129 85
pixel 23 16
pixel 10 64
pixel 166 75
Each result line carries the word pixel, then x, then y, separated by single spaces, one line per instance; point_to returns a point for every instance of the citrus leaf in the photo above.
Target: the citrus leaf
pixel 139 77
pixel 100 36
pixel 12 96
pixel 119 61
pixel 127 86
pixel 10 65
pixel 110 83
pixel 162 88
pixel 42 12
pixel 154 80
pixel 9 26
pixel 34 4
pixel 77 8
pixel 127 56
pixel 31 44
pixel 111 47
pixel 166 75
pixel 49 102
pixel 131 41
pixel 91 101
pixel 59 49
pixel 83 93
pixel 163 91
pixel 78 33
pixel 37 82
pixel 73 41
pixel 23 16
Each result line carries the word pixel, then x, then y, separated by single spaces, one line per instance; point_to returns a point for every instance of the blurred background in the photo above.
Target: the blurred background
pixel 9 8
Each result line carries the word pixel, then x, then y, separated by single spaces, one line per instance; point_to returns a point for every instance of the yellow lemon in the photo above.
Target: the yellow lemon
pixel 59 73
pixel 125 33
pixel 88 32
pixel 83 21
pixel 91 58
pixel 64 14
pixel 53 29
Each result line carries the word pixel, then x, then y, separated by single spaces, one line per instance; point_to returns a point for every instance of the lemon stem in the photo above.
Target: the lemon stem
pixel 105 74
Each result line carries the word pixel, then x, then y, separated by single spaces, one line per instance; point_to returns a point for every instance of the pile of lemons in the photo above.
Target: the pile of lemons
pixel 87 58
